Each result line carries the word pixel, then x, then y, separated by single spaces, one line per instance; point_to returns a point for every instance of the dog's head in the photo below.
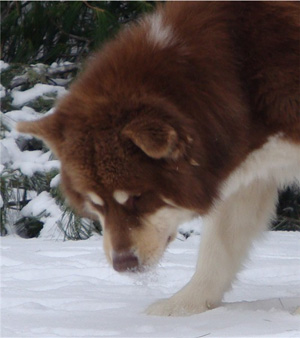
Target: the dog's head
pixel 130 168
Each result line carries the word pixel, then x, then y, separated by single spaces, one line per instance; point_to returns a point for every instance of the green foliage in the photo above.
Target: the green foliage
pixel 28 227
pixel 72 225
pixel 39 181
pixel 8 74
pixel 6 103
pixel 49 31
pixel 42 104
pixel 75 227
pixel 6 195
pixel 16 191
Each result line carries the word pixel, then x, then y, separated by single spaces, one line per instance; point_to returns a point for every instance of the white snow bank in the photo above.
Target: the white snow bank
pixel 11 118
pixel 28 162
pixel 24 114
pixel 55 181
pixel 2 91
pixel 45 203
pixel 22 97
pixel 60 64
pixel 67 289
pixel 3 65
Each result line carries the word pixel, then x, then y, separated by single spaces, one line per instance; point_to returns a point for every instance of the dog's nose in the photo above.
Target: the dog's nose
pixel 125 261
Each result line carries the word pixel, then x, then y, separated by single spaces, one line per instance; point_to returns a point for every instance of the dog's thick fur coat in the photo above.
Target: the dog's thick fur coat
pixel 194 110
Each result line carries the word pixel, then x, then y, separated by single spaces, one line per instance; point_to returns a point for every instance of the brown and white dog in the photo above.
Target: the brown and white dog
pixel 194 110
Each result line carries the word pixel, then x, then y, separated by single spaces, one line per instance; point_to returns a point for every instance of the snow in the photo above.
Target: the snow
pixel 24 114
pixel 60 64
pixel 22 97
pixel 44 204
pixel 3 65
pixel 2 91
pixel 55 181
pixel 52 288
pixel 29 162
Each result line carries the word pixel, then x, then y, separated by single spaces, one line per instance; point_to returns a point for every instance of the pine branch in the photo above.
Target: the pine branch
pixel 94 8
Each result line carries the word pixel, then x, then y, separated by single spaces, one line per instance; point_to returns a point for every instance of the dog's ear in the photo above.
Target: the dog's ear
pixel 155 138
pixel 48 128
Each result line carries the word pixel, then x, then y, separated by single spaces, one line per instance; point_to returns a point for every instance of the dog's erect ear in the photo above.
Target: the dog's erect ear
pixel 155 138
pixel 47 128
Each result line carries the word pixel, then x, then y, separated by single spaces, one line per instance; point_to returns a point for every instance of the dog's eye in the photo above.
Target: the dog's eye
pixel 133 200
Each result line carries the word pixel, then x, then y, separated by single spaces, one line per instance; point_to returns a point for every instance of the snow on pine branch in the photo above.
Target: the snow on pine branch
pixel 30 194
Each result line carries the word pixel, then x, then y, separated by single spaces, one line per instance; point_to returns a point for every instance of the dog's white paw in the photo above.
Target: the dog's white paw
pixel 176 306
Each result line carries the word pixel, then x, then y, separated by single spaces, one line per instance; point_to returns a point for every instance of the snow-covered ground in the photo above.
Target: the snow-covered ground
pixel 67 289
pixel 51 288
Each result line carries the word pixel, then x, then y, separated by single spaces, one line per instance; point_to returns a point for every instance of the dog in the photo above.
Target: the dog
pixel 192 110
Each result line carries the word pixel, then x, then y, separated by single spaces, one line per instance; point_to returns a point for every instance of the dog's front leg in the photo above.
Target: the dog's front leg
pixel 228 232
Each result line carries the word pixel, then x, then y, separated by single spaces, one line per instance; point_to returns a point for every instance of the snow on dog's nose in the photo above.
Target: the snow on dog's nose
pixel 125 261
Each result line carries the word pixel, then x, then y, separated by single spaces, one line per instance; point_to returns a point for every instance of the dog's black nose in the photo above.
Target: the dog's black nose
pixel 125 261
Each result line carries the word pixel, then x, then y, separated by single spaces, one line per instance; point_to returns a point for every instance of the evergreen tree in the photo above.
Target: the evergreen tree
pixel 54 31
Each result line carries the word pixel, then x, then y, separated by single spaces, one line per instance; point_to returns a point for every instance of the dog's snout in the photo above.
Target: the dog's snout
pixel 125 261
